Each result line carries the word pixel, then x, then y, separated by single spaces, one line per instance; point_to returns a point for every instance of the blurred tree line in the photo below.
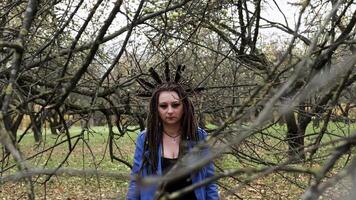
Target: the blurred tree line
pixel 75 62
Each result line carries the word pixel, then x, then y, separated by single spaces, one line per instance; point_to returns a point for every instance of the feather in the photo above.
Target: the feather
pixel 142 85
pixel 167 72
pixel 146 83
pixel 198 89
pixel 155 76
pixel 178 74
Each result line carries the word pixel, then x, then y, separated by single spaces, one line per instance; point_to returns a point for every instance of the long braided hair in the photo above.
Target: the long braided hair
pixel 154 125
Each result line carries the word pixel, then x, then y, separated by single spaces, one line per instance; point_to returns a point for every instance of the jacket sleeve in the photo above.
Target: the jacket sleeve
pixel 133 192
pixel 211 188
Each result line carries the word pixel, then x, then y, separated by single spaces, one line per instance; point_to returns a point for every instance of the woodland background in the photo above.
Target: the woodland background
pixel 276 80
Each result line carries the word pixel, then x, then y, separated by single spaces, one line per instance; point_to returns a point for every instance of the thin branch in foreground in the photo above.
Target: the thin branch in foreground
pixel 64 172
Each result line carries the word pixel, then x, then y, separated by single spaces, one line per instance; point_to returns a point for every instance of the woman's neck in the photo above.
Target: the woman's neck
pixel 171 129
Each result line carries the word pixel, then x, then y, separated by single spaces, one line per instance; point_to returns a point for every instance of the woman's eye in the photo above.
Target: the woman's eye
pixel 175 105
pixel 163 106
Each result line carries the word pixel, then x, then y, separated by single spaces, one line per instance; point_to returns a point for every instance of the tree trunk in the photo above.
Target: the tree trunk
pixel 295 138
pixel 36 125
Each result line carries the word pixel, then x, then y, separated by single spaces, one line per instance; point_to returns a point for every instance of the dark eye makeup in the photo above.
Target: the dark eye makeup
pixel 163 106
pixel 174 105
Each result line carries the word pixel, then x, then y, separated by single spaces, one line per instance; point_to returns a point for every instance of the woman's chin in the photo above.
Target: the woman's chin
pixel 171 122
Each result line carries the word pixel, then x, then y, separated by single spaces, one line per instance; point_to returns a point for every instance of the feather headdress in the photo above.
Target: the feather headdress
pixel 148 87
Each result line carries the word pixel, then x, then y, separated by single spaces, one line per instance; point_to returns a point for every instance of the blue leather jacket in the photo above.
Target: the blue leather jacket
pixel 207 192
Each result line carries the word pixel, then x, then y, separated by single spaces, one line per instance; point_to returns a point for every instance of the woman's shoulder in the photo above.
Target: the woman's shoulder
pixel 141 136
pixel 142 133
pixel 202 134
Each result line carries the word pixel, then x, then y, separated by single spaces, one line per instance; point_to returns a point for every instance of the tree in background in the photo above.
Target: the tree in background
pixel 73 61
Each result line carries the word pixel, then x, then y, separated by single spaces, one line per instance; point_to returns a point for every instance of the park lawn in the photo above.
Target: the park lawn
pixel 93 153
pixel 271 146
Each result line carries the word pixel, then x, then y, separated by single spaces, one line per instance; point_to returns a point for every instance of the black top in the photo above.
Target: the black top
pixel 167 164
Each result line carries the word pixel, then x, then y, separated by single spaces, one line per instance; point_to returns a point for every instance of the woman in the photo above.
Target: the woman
pixel 171 132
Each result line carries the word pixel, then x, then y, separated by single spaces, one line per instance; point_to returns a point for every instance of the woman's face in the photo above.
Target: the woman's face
pixel 170 107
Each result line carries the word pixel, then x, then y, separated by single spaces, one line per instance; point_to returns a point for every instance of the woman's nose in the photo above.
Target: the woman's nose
pixel 170 109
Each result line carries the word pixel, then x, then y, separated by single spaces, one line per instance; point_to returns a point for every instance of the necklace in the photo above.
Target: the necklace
pixel 174 137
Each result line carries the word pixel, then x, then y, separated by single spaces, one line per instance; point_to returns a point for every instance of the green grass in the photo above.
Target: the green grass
pixel 271 146
pixel 83 146
pixel 91 151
